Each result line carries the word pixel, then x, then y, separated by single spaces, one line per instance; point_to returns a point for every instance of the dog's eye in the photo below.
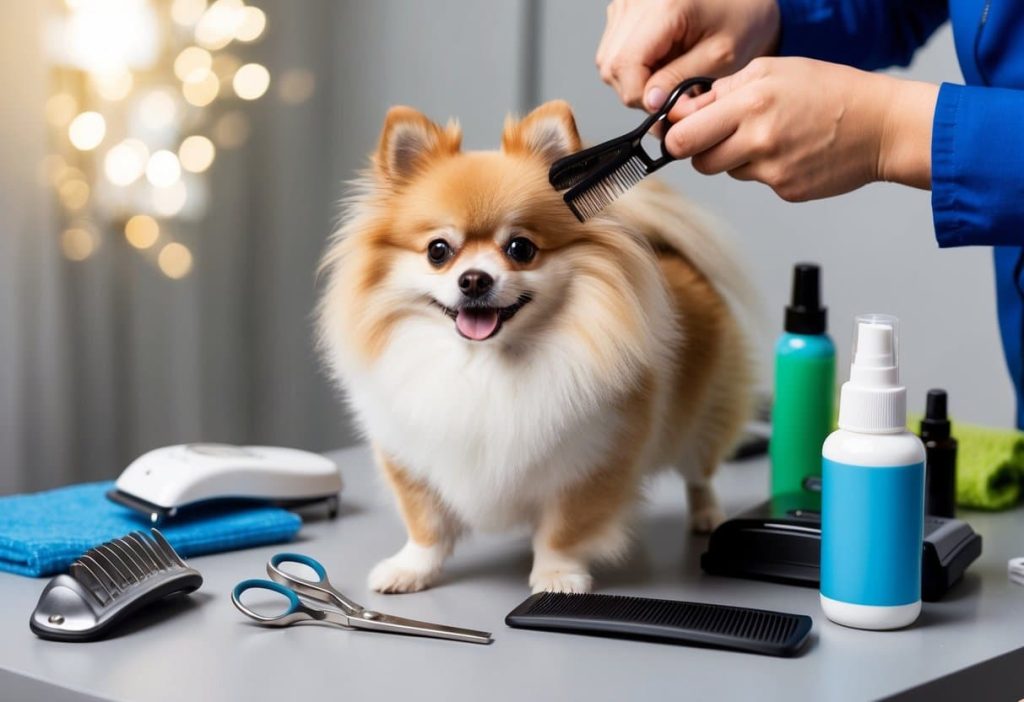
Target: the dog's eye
pixel 438 251
pixel 521 250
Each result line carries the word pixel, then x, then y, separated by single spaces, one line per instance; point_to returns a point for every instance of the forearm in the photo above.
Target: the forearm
pixel 905 144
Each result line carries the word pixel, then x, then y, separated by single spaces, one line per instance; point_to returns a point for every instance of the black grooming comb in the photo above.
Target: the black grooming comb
pixel 693 623
pixel 596 176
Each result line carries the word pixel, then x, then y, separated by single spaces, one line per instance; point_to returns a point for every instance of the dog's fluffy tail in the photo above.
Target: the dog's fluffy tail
pixel 668 220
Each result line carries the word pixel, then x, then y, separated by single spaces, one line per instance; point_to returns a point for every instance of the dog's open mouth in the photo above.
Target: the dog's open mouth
pixel 477 322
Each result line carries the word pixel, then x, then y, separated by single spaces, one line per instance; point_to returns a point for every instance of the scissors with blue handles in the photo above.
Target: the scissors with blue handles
pixel 343 612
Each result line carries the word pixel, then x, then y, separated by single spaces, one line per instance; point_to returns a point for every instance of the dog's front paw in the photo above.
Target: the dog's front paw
pixel 561 581
pixel 706 519
pixel 396 574
pixel 412 569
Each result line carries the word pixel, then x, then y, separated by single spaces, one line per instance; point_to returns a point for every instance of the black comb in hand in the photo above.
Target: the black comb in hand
pixel 596 176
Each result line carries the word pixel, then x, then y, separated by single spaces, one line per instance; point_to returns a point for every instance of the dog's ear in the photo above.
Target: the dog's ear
pixel 408 139
pixel 549 132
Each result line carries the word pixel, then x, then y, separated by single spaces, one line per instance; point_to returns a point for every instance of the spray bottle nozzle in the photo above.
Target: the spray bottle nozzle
pixel 805 314
pixel 875 362
pixel 873 400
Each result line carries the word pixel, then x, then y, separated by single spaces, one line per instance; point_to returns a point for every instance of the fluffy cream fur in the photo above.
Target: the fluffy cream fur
pixel 627 357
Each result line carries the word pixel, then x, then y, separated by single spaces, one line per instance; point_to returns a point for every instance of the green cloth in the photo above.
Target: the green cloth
pixel 989 466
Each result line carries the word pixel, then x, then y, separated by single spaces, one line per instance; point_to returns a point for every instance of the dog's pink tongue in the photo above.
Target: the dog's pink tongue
pixel 476 324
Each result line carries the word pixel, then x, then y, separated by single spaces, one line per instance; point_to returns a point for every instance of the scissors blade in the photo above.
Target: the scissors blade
pixel 375 621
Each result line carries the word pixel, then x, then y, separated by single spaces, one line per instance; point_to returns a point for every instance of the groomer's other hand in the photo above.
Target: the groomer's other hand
pixel 808 129
pixel 649 46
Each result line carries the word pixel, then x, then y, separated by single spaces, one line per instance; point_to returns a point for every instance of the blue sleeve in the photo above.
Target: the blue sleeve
pixel 977 161
pixel 868 34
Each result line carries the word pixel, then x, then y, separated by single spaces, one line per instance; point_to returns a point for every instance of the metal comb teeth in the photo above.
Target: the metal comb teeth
pixel 591 200
pixel 112 568
pixel 107 583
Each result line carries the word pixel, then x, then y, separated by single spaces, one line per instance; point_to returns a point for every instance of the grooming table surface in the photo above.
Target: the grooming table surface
pixel 205 650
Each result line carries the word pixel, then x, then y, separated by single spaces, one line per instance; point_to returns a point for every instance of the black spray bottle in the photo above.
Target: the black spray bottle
pixel 940 464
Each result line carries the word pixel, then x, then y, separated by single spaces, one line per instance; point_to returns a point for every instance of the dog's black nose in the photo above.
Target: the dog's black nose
pixel 474 283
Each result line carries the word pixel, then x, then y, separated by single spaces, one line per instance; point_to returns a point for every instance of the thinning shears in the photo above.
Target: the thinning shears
pixel 347 614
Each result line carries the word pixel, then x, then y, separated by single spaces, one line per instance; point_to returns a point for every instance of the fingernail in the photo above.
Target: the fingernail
pixel 655 98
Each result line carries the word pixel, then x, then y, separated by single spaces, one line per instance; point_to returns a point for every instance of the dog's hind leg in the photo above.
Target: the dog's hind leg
pixel 432 532
pixel 587 523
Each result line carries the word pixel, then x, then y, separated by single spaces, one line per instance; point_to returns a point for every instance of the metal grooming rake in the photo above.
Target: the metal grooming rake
pixel 109 583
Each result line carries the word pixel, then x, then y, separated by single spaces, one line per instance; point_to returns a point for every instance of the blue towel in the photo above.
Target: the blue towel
pixel 42 533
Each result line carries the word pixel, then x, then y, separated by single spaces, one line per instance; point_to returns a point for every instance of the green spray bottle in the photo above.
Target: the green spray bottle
pixel 805 373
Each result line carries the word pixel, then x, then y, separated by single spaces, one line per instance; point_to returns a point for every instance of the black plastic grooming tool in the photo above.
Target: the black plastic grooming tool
pixel 596 176
pixel 692 623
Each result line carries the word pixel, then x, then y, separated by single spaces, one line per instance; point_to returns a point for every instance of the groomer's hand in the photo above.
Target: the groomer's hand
pixel 649 46
pixel 808 129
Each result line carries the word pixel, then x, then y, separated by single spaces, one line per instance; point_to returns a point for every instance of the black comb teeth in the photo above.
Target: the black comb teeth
pixel 590 201
pixel 597 175
pixel 738 628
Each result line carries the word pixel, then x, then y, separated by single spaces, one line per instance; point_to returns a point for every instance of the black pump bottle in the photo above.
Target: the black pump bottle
pixel 940 464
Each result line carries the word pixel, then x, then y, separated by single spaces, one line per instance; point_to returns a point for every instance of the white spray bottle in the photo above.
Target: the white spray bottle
pixel 872 511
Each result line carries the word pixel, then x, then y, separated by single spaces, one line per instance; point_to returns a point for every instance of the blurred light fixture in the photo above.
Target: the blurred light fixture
pixel 175 260
pixel 170 200
pixel 196 153
pixel 163 169
pixel 140 105
pixel 77 243
pixel 251 81
pixel 126 162
pixel 141 231
pixel 87 130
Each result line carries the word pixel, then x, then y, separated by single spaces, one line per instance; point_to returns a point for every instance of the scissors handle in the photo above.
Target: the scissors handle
pixel 295 612
pixel 375 621
pixel 319 589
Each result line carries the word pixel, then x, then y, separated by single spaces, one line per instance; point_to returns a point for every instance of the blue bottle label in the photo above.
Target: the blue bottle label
pixel 872 527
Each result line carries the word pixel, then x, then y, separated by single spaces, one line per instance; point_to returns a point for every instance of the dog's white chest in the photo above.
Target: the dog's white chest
pixel 495 438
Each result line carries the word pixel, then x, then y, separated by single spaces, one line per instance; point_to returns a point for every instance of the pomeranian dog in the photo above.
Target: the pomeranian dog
pixel 511 365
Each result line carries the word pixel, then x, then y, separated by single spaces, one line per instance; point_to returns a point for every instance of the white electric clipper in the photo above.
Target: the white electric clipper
pixel 162 481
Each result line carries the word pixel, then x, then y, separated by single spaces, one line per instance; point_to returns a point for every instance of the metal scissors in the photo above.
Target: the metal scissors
pixel 348 614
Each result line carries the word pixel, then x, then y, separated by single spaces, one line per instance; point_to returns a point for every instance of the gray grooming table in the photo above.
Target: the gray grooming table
pixel 205 650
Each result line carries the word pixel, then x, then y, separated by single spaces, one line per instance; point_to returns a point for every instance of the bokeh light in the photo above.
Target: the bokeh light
pixel 187 12
pixel 203 91
pixel 251 25
pixel 296 85
pixel 251 81
pixel 74 194
pixel 113 85
pixel 175 260
pixel 163 169
pixel 192 64
pixel 141 231
pixel 158 109
pixel 87 130
pixel 196 153
pixel 126 162
pixel 77 243
pixel 217 27
pixel 169 201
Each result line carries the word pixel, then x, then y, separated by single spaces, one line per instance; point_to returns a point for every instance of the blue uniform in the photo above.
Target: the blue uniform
pixel 978 128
